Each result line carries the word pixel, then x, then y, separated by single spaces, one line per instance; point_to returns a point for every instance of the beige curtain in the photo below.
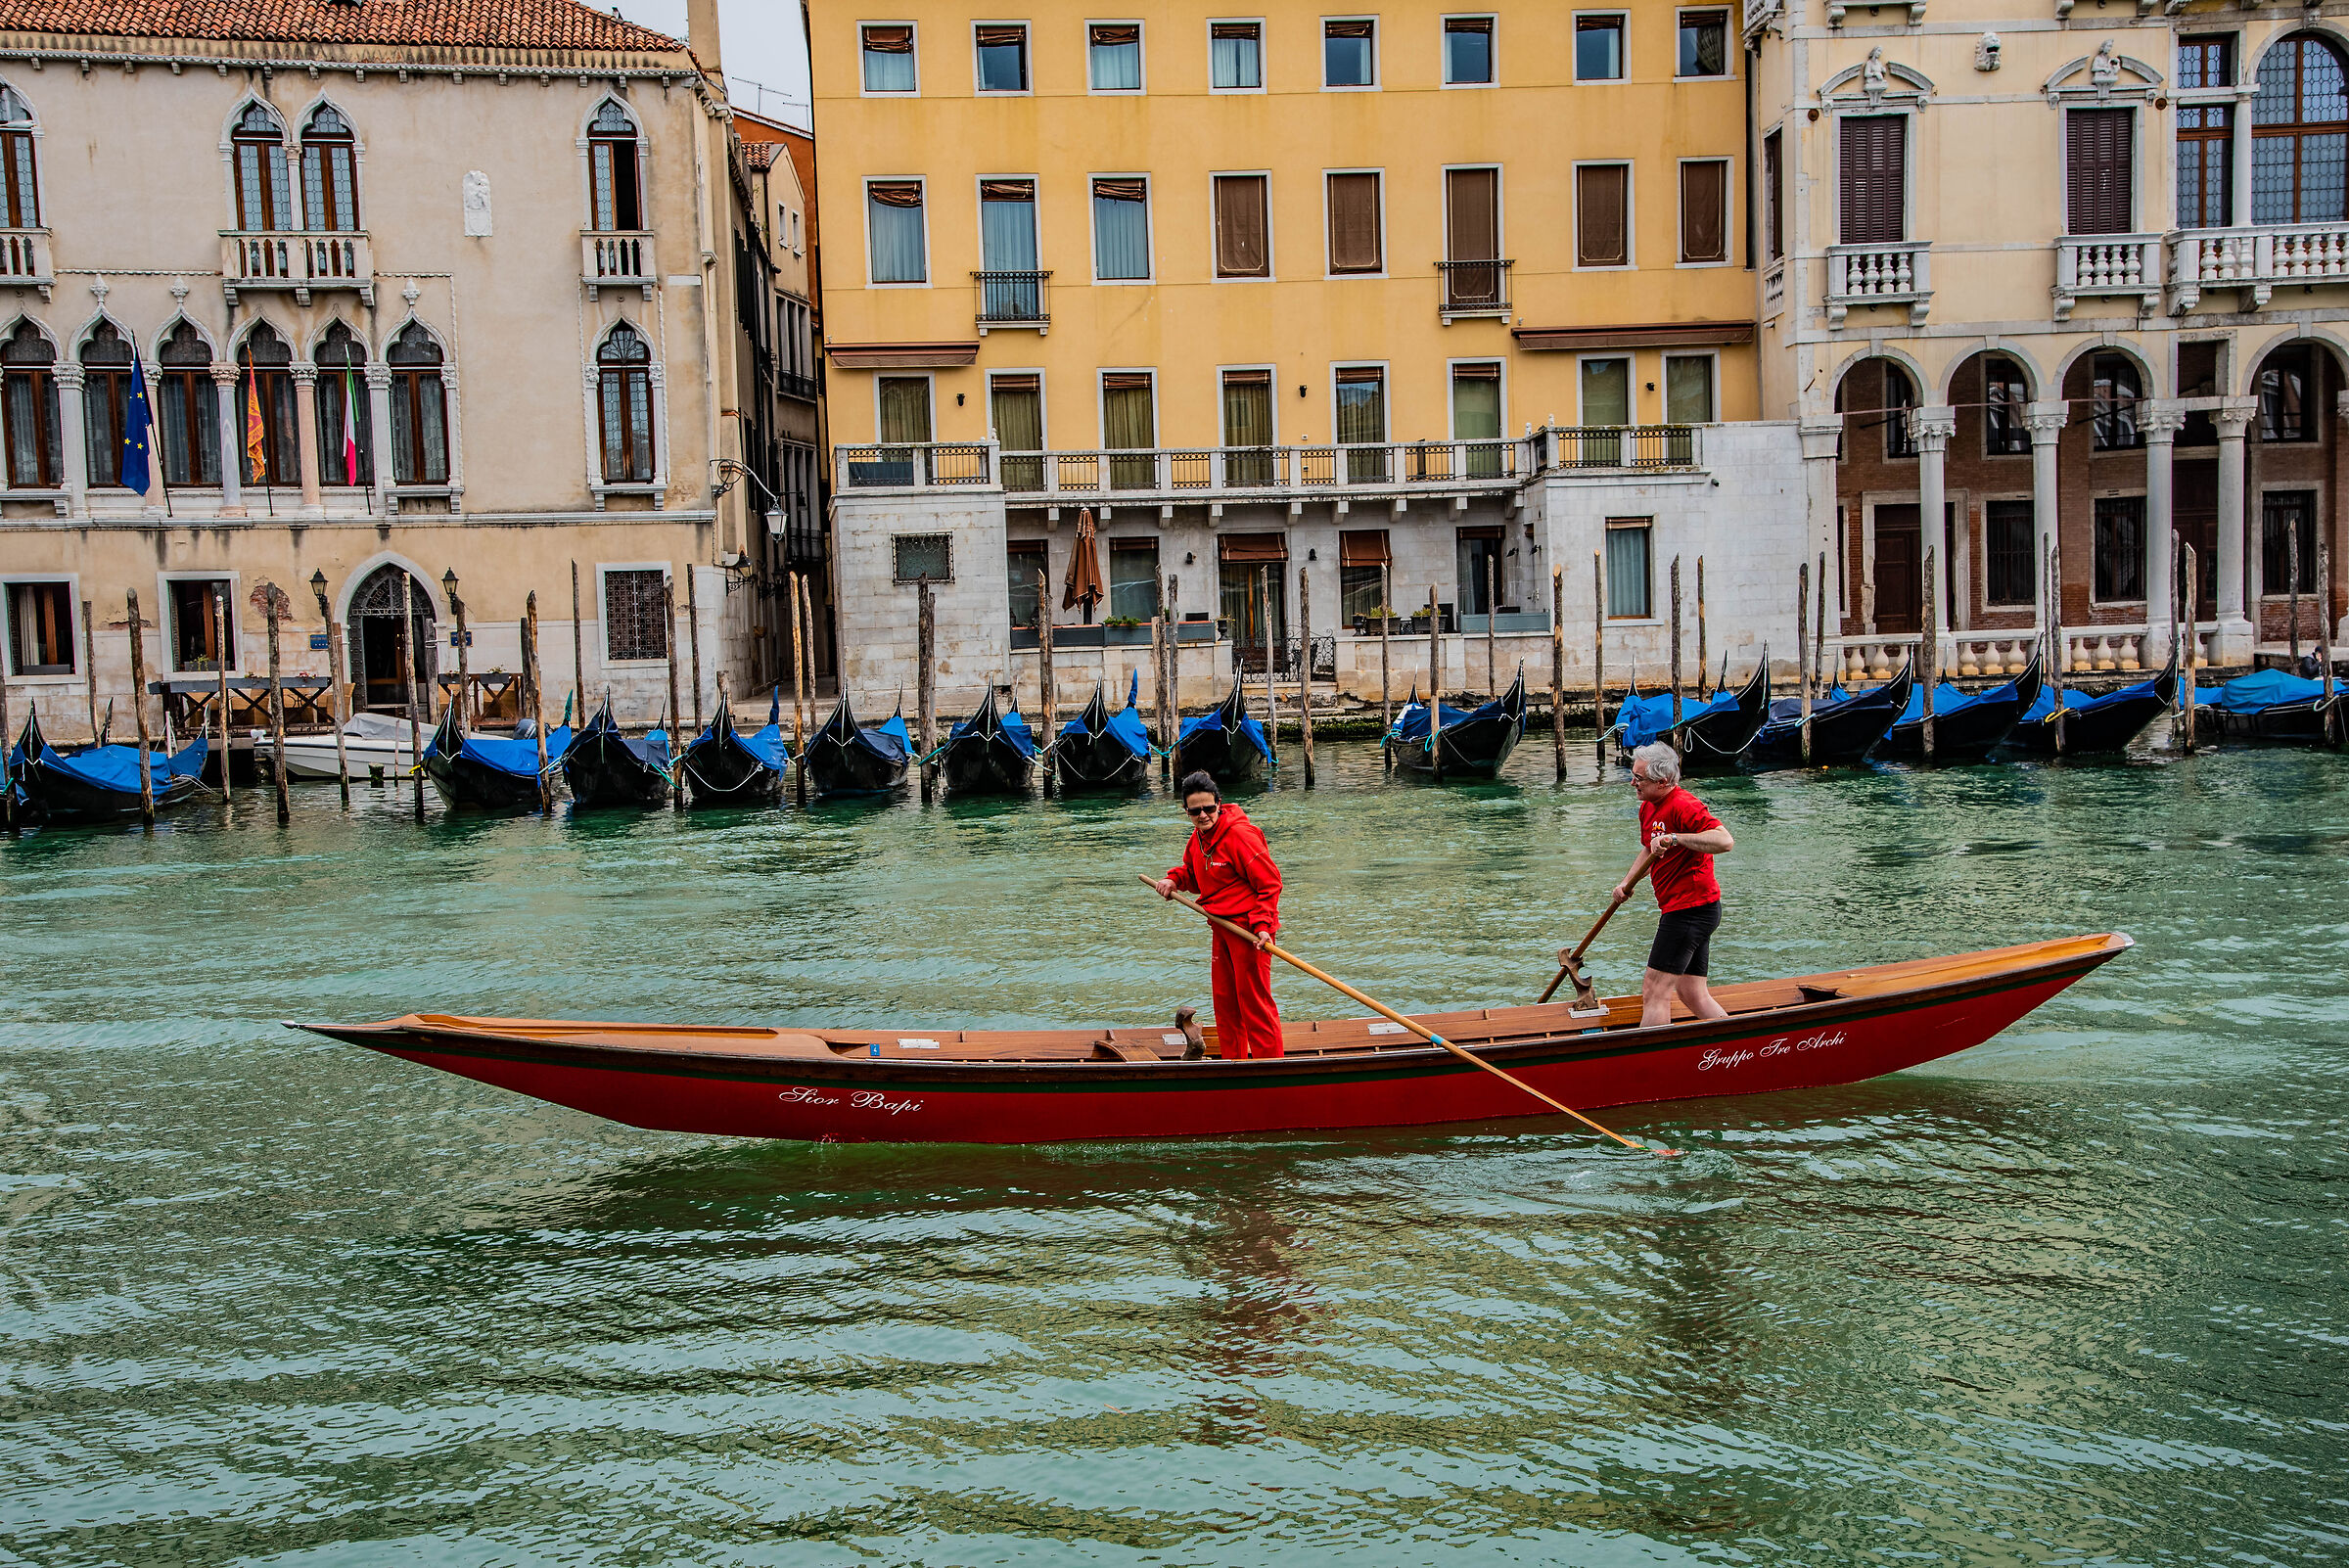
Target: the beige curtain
pixel 1600 192
pixel 1704 212
pixel 1354 223
pixel 1240 227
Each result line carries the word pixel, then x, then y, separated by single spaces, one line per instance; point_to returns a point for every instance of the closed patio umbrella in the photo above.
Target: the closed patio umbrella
pixel 1083 584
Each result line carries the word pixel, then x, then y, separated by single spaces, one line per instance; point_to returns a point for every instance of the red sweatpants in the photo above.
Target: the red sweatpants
pixel 1246 1023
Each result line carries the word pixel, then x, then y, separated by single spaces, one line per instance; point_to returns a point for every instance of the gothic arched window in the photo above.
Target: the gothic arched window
pixel 625 406
pixel 329 174
pixel 2301 134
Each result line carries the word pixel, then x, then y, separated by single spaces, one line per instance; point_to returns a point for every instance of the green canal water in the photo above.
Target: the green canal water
pixel 2075 1297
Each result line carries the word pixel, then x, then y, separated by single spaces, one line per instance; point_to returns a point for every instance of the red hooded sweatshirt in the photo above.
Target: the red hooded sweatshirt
pixel 1230 868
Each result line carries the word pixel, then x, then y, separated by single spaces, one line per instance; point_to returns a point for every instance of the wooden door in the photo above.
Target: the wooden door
pixel 1900 579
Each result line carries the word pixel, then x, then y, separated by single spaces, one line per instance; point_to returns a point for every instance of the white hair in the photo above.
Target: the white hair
pixel 1662 763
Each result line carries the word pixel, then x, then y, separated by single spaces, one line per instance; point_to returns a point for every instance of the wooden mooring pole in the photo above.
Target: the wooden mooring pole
pixel 1805 673
pixel 1263 598
pixel 1558 667
pixel 2053 582
pixel 138 708
pixel 799 689
pixel 579 654
pixel 2331 730
pixel 337 709
pixel 89 664
pixel 693 640
pixel 1435 681
pixel 2191 589
pixel 1169 766
pixel 274 599
pixel 1818 634
pixel 1492 619
pixel 1385 622
pixel 1701 694
pixel 1929 645
pixel 926 682
pixel 677 742
pixel 407 676
pixel 8 741
pixel 1675 651
pixel 535 677
pixel 1598 654
pixel 464 635
pixel 1043 673
pixel 1304 673
pixel 228 788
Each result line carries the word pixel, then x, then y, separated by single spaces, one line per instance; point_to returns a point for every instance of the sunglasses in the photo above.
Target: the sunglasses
pixel 1203 810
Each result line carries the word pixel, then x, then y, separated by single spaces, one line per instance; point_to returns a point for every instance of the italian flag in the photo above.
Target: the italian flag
pixel 350 433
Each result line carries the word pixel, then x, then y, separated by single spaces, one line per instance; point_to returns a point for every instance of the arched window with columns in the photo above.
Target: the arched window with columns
pixel 345 435
pixel 623 405
pixel 188 406
pixel 19 174
pixel 265 383
pixel 330 172
pixel 106 366
pixel 419 408
pixel 265 191
pixel 2301 134
pixel 28 409
pixel 617 191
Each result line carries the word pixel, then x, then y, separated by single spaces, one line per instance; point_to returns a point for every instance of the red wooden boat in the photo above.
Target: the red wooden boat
pixel 1034 1086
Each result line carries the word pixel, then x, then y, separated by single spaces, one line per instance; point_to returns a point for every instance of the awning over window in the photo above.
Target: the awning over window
pixel 1657 335
pixel 1244 549
pixel 1363 547
pixel 1111 34
pixel 888 40
pixel 900 355
pixel 996 37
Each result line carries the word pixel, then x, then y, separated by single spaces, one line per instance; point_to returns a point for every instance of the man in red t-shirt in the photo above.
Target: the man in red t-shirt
pixel 1678 841
pixel 1230 867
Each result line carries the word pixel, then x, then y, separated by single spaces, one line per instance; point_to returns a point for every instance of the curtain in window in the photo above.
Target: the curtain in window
pixel 1704 43
pixel 105 399
pixel 1007 225
pixel 904 409
pixel 1476 403
pixel 1354 237
pixel 419 407
pixel 894 211
pixel 342 394
pixel 1601 192
pixel 1626 573
pixel 1115 52
pixel 1346 53
pixel 1024 563
pixel 1689 390
pixel 1127 423
pixel 189 414
pixel 1134 579
pixel 1362 421
pixel 889 60
pixel 1606 391
pixel 1248 409
pixel 28 410
pixel 1016 409
pixel 1121 229
pixel 1704 212
pixel 1233 51
pixel 1241 229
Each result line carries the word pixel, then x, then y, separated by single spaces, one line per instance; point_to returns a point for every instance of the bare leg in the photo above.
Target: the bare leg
pixel 1656 988
pixel 1697 998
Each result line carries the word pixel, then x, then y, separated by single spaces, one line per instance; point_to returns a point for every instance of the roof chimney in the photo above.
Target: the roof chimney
pixel 700 33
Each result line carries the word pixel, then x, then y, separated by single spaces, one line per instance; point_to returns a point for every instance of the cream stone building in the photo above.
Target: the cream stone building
pixel 2072 279
pixel 475 296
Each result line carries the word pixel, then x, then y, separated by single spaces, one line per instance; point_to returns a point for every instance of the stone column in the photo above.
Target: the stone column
pixel 74 436
pixel 2160 421
pixel 305 436
pixel 2234 640
pixel 379 420
pixel 1931 427
pixel 1819 439
pixel 232 449
pixel 2046 422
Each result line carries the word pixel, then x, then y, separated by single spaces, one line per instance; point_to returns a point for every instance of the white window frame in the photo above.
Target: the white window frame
pixel 163 599
pixel 1444 58
pixel 871 180
pixel 1094 236
pixel 602 631
pixel 1222 435
pixel 863 91
pixel 1451 413
pixel 879 376
pixel 1629 360
pixel 1729 53
pixel 8 632
pixel 1101 405
pixel 1386 386
pixel 1501 207
pixel 1261 52
pixel 1043 406
pixel 1631 212
pixel 1271 240
pixel 1026 57
pixel 1729 213
pixel 1328 276
pixel 1664 381
pixel 978 205
pixel 1623 40
pixel 1141 52
pixel 1607 526
pixel 1378 63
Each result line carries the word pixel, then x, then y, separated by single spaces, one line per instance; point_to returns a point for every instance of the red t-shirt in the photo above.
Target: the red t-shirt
pixel 1684 878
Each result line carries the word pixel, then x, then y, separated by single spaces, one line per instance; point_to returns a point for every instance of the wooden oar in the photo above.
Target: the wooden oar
pixel 1586 996
pixel 1391 1016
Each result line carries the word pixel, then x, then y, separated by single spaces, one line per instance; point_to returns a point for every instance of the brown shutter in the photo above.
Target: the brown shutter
pixel 1774 220
pixel 1363 547
pixel 1704 212
pixel 2096 158
pixel 1354 223
pixel 1473 219
pixel 1874 172
pixel 1361 376
pixel 888 40
pixel 1240 227
pixel 1254 547
pixel 1108 35
pixel 1599 202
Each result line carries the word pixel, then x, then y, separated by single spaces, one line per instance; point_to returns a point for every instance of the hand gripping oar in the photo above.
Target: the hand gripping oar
pixel 1585 999
pixel 1420 1030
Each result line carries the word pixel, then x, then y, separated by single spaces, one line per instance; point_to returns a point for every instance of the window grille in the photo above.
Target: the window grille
pixel 635 616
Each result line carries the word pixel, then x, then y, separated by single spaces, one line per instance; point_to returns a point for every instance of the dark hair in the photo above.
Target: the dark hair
pixel 1199 782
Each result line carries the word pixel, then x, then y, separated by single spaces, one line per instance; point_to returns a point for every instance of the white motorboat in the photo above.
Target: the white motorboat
pixel 369 740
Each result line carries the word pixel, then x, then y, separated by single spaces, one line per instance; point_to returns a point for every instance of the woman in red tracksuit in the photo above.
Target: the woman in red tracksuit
pixel 1230 867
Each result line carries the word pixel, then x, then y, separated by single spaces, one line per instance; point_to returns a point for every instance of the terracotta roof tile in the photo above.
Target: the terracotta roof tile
pixel 478 24
pixel 759 155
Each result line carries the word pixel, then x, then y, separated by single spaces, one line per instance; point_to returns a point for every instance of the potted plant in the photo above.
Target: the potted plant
pixel 1120 631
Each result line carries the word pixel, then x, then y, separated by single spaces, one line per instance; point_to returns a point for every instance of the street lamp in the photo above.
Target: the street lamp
pixel 448 584
pixel 318 590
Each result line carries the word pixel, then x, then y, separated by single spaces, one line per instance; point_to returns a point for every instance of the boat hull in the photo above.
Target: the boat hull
pixel 837 767
pixel 986 764
pixel 721 771
pixel 1098 763
pixel 1473 748
pixel 1233 762
pixel 2088 732
pixel 462 781
pixel 1843 732
pixel 602 771
pixel 755 1083
pixel 313 756
pixel 1968 735
pixel 2296 724
pixel 57 796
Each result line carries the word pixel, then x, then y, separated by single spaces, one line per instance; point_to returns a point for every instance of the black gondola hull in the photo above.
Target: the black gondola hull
pixel 462 780
pixel 1722 740
pixel 2312 723
pixel 1098 763
pixel 1841 733
pixel 1473 748
pixel 721 771
pixel 603 770
pixel 1972 732
pixel 58 797
pixel 1230 760
pixel 838 766
pixel 2098 731
pixel 986 764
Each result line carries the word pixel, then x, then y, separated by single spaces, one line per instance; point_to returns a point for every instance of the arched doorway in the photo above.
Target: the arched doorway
pixel 1881 536
pixel 2294 476
pixel 375 611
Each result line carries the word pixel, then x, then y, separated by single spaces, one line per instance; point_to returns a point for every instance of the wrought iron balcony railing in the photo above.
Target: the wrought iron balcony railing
pixel 1475 287
pixel 1013 300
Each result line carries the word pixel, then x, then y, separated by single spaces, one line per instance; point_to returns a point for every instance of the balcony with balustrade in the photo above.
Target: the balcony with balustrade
pixel 2256 259
pixel 619 259
pixel 2107 266
pixel 1895 272
pixel 297 262
pixel 25 261
pixel 1013 300
pixel 1473 289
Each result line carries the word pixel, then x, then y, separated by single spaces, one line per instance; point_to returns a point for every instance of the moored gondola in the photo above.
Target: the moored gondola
pixel 495 772
pixel 989 752
pixel 1714 733
pixel 1224 742
pixel 1967 727
pixel 845 758
pixel 606 768
pixel 96 783
pixel 2095 726
pixel 1843 728
pixel 2274 706
pixel 1469 743
pixel 1099 750
pixel 723 766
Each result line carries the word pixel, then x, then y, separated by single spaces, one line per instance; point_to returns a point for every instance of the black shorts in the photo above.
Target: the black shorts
pixel 1684 941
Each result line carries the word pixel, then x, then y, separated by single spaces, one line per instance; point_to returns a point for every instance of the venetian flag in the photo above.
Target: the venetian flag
pixel 257 443
pixel 138 423
pixel 350 433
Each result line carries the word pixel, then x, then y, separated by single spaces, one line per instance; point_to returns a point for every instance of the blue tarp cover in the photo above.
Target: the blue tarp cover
pixel 890 739
pixel 1947 700
pixel 1127 726
pixel 2076 700
pixel 1643 720
pixel 2262 688
pixel 507 754
pixel 1014 729
pixel 1250 731
pixel 117 767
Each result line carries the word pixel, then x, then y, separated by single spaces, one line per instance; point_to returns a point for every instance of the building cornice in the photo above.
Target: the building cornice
pixel 89 52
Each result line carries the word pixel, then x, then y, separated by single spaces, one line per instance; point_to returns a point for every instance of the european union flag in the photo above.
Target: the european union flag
pixel 138 422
